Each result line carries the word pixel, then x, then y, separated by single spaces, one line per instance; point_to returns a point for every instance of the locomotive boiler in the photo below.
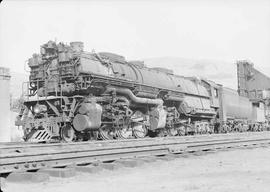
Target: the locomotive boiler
pixel 74 95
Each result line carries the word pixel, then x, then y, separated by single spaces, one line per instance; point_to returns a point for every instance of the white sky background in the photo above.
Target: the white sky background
pixel 223 30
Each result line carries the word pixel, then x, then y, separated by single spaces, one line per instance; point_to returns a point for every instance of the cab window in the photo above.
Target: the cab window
pixel 215 92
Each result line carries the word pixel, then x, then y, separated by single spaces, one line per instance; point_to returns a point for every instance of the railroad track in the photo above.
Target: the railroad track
pixel 19 145
pixel 32 156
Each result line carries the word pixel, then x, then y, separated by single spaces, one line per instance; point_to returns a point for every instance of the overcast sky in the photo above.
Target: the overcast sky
pixel 223 30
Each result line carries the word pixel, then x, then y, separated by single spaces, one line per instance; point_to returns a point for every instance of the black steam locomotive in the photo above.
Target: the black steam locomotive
pixel 73 95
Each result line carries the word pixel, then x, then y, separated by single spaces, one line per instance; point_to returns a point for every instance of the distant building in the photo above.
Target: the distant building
pixel 5 128
pixel 254 84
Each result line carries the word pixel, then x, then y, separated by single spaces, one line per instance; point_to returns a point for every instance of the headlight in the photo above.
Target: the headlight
pixel 40 109
pixel 32 84
pixel 37 109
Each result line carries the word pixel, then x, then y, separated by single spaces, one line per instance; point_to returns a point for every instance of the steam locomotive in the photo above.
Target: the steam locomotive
pixel 73 95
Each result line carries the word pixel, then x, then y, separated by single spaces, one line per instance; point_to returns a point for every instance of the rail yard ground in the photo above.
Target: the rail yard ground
pixel 238 170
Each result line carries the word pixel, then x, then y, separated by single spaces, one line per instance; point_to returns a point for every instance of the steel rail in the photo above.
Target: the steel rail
pixel 24 149
pixel 32 158
pixel 12 145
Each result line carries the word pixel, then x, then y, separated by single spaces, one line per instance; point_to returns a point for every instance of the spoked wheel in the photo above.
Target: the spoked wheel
pixel 172 131
pixel 181 131
pixel 139 131
pixel 162 133
pixel 95 135
pixel 124 133
pixel 67 133
pixel 106 133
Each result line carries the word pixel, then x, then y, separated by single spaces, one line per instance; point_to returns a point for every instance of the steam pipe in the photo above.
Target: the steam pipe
pixel 148 95
pixel 174 98
pixel 124 99
pixel 134 98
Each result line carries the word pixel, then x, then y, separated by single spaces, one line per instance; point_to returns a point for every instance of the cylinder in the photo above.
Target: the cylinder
pixel 5 127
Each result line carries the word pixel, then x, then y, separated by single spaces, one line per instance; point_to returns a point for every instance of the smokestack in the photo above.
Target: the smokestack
pixel 5 128
pixel 77 46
